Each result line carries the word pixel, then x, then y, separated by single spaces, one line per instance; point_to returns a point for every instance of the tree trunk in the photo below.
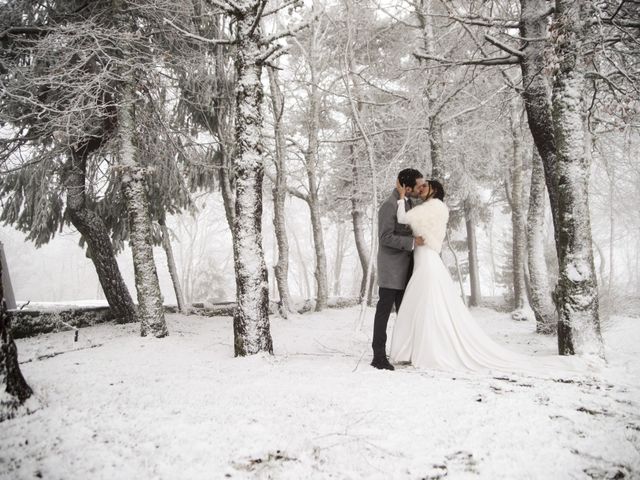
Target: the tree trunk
pixel 281 268
pixel 517 213
pixel 311 160
pixel 339 259
pixel 577 290
pixel 435 149
pixel 16 389
pixel 358 221
pixel 472 246
pixel 9 296
pixel 540 292
pixel 458 270
pixel 171 265
pixel 368 273
pixel 424 15
pixel 95 234
pixel 251 317
pixel 150 308
pixel 537 93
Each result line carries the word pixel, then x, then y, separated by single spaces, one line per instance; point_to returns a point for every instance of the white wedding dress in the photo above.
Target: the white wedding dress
pixel 434 329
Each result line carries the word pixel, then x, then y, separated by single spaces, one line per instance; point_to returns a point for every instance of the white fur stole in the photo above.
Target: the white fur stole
pixel 429 221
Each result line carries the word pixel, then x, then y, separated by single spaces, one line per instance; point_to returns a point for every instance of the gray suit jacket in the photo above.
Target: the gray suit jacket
pixel 395 246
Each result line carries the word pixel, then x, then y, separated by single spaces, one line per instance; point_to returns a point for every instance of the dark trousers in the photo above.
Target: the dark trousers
pixel 388 297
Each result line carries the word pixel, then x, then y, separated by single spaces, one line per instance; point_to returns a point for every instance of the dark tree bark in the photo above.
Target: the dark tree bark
pixel 576 294
pixel 537 93
pixel 11 379
pixel 95 234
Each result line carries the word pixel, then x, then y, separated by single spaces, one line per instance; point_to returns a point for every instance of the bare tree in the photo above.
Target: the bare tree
pixel 281 268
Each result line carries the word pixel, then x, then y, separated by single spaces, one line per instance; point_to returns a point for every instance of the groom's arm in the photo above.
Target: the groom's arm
pixel 386 229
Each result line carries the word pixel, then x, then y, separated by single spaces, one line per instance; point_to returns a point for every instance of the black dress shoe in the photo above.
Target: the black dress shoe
pixel 381 363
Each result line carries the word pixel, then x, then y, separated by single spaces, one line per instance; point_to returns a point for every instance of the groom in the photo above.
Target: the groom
pixel 395 249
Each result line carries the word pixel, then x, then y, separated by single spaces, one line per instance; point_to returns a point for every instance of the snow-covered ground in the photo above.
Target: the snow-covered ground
pixel 183 408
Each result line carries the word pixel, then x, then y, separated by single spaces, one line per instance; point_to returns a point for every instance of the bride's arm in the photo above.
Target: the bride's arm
pixel 401 213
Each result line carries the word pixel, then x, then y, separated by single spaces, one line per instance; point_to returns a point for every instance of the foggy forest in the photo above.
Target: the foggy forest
pixel 191 230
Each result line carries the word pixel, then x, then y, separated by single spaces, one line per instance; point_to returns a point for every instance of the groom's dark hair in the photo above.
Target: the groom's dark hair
pixel 408 177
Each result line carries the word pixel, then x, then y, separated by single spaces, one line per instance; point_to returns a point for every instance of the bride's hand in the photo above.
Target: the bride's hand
pixel 400 189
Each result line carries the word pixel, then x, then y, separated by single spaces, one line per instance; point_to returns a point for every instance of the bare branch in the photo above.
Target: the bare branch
pixel 502 46
pixel 272 50
pixel 25 31
pixel 491 61
pixel 286 33
pixel 228 6
pixel 480 21
pixel 281 7
pixel 213 41
pixel 256 22
pixel 618 23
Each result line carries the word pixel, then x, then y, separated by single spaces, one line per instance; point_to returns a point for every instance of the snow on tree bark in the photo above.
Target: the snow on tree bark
pixel 539 291
pixel 95 234
pixel 150 308
pixel 576 294
pixel 251 317
pixel 281 268
pixel 16 390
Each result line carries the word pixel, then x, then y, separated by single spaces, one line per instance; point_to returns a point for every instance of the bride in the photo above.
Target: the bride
pixel 434 329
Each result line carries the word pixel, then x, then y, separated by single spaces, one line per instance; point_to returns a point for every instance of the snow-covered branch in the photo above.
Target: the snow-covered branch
pixel 214 41
pixel 502 46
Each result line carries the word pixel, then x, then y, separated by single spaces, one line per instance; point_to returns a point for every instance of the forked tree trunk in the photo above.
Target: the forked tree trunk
pixel 472 247
pixel 424 15
pixel 150 308
pixel 281 268
pixel 251 317
pixel 313 199
pixel 577 291
pixel 14 388
pixel 95 234
pixel 540 292
pixel 171 265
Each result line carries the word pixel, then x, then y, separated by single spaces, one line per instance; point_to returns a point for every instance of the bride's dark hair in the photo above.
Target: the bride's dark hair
pixel 438 189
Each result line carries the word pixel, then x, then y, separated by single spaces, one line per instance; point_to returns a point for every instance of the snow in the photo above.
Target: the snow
pixel 120 406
